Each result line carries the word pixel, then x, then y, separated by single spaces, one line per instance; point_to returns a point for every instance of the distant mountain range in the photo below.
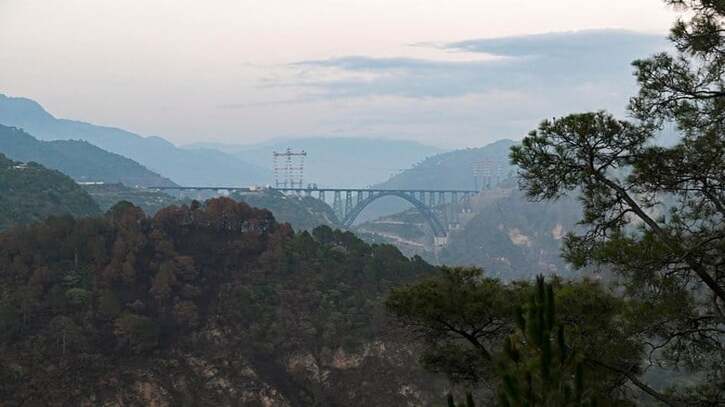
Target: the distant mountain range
pixel 31 192
pixel 78 159
pixel 337 161
pixel 183 166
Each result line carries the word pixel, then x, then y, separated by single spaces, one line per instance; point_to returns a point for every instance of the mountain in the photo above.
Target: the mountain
pixel 455 169
pixel 30 192
pixel 183 166
pixel 337 161
pixel 78 159
pixel 203 305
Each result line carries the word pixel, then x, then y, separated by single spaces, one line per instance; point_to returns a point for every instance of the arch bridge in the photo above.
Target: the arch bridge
pixel 348 203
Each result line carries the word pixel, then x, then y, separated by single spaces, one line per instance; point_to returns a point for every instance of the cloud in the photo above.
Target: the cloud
pixel 524 63
pixel 586 43
pixel 463 93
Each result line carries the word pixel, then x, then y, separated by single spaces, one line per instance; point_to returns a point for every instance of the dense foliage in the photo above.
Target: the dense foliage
pixel 30 192
pixel 78 159
pixel 85 303
pixel 466 322
pixel 538 366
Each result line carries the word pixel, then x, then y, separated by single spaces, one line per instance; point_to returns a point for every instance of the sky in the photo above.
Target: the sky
pixel 450 73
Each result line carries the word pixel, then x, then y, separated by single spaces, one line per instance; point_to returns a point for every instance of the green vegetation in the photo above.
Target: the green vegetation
pixel 78 159
pixel 538 366
pixel 140 301
pixel 30 192
pixel 468 325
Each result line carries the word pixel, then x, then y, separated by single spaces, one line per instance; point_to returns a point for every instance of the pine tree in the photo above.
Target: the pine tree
pixel 538 368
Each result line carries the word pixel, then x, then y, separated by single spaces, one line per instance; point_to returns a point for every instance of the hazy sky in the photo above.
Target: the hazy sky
pixel 446 72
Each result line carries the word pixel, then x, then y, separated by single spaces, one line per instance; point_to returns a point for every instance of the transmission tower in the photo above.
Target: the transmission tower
pixel 289 168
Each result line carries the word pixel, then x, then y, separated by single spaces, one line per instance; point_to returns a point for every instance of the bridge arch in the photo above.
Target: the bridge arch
pixel 430 217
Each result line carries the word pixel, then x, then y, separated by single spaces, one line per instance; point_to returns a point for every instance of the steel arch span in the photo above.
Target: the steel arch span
pixel 431 218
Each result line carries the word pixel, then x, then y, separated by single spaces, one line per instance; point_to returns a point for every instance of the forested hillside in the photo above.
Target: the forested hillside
pixel 78 159
pixel 30 192
pixel 213 304
pixel 185 167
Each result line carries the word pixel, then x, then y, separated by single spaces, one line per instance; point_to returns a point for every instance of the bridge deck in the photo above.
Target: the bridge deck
pixel 251 189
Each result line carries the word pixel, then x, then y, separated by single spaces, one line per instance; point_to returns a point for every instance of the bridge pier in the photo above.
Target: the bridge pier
pixel 348 203
pixel 337 205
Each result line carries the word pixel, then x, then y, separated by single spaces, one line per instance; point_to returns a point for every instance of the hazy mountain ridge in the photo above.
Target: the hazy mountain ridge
pixel 78 159
pixel 337 161
pixel 450 170
pixel 185 167
pixel 30 193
